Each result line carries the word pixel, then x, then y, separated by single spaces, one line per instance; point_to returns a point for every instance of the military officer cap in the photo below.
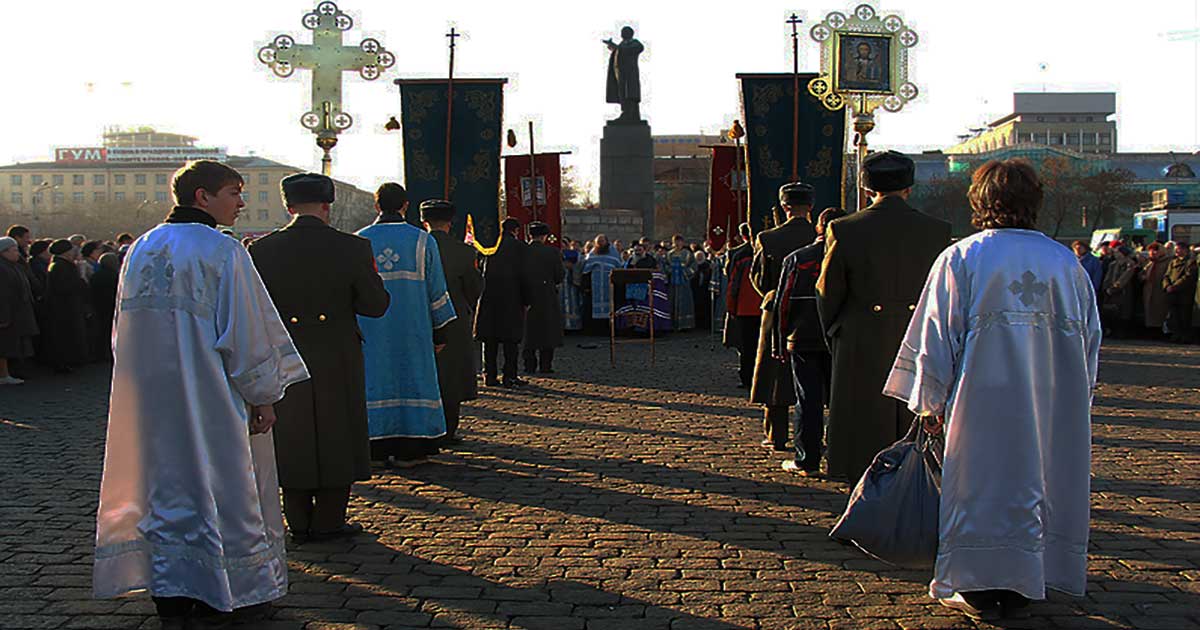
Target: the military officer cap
pixel 510 224
pixel 537 228
pixel 306 188
pixel 796 194
pixel 888 171
pixel 437 210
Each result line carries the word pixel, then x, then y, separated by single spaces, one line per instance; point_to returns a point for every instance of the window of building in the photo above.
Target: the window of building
pixel 160 196
pixel 1056 139
pixel 264 179
pixel 57 180
pixel 99 196
pixel 16 197
pixel 264 215
pixel 160 179
pixel 77 197
pixel 118 196
pixel 141 196
pixel 139 179
pixel 57 198
pixel 15 180
pixel 262 196
pixel 1041 119
pixel 36 180
pixel 36 199
pixel 118 180
pixel 1089 139
pixel 1088 118
pixel 97 180
pixel 77 180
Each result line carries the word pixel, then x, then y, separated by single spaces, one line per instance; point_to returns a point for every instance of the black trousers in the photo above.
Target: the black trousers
pixel 491 352
pixel 747 347
pixel 808 423
pixel 451 410
pixel 314 511
pixel 775 425
pixel 538 358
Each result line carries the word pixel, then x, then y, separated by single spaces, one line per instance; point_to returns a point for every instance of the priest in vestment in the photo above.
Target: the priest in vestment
pixel 1004 344
pixel 599 264
pixel 189 500
pixel 404 402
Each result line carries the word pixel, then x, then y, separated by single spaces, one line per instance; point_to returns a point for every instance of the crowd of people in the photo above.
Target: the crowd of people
pixel 1145 290
pixel 364 346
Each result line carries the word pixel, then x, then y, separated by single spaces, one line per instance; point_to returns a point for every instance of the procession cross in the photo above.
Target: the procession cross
pixel 795 22
pixel 328 59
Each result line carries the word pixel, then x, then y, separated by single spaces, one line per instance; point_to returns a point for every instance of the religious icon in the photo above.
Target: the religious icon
pixel 864 62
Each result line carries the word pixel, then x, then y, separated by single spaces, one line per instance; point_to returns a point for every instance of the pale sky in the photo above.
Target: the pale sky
pixel 194 71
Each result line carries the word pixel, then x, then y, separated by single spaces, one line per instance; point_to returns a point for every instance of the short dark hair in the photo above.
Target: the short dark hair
pixel 1078 242
pixel 90 247
pixel 124 237
pixel 17 231
pixel 1005 194
pixel 745 230
pixel 207 175
pixel 391 197
pixel 829 214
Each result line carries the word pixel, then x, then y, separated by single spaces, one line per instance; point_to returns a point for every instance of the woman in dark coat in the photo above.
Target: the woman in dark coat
pixel 17 322
pixel 104 303
pixel 66 305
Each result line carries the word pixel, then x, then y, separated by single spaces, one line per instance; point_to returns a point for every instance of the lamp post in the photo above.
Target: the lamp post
pixel 37 191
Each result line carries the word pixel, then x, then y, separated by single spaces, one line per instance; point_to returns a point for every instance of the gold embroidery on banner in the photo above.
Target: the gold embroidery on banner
pixel 764 97
pixel 822 165
pixel 767 164
pixel 483 103
pixel 480 167
pixel 419 104
pixel 420 166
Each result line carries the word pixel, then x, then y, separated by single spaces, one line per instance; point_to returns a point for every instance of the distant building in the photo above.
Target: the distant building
pixel 681 171
pixel 1078 121
pixel 131 173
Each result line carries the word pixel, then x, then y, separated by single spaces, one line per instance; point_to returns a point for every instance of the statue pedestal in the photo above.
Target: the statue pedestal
pixel 627 170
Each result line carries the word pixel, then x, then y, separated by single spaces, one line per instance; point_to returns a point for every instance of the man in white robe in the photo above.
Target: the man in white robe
pixel 189 500
pixel 1004 345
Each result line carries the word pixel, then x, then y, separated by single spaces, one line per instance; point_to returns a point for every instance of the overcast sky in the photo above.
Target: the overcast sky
pixel 71 68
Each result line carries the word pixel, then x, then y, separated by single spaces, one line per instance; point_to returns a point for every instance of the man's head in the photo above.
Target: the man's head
pixel 77 240
pixel 1005 194
pixel 9 250
pixel 538 231
pixel 639 249
pixel 92 250
pixel 828 215
pixel 21 235
pixel 63 248
pixel 601 241
pixel 677 241
pixel 701 256
pixel 1182 250
pixel 308 194
pixel 887 174
pixel 796 199
pixel 864 51
pixel 1080 248
pixel 510 226
pixel 437 214
pixel 391 198
pixel 124 238
pixel 209 186
pixel 745 231
pixel 627 33
pixel 40 249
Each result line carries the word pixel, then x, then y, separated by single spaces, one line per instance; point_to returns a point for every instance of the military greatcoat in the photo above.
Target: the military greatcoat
pixel 876 262
pixel 320 279
pixel 455 365
pixel 501 314
pixel 543 274
pixel 772 385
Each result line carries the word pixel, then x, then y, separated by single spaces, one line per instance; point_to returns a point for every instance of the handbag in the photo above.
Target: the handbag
pixel 892 514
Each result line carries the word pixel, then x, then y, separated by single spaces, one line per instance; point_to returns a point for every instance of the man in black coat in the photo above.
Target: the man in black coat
pixel 320 280
pixel 742 302
pixel 543 321
pixel 500 319
pixel 67 304
pixel 772 386
pixel 798 336
pixel 866 295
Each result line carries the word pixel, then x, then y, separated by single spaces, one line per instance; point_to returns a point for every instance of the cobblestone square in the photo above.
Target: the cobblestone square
pixel 625 498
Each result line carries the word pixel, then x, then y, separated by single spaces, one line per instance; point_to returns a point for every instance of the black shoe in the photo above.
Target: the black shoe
pixel 515 382
pixel 546 371
pixel 791 466
pixel 1013 604
pixel 346 530
pixel 492 381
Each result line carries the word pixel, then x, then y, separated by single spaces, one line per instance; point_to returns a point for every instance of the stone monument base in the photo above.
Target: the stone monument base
pixel 627 169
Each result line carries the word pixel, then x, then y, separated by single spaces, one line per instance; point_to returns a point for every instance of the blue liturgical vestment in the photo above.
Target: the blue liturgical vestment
pixel 403 398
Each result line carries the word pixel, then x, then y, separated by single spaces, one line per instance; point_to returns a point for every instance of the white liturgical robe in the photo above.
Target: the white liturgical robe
pixel 189 501
pixel 1004 343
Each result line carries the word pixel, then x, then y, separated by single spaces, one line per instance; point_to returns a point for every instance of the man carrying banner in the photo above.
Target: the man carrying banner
pixel 500 320
pixel 543 322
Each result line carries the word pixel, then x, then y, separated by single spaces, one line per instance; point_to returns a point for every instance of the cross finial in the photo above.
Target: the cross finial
pixel 453 35
pixel 794 21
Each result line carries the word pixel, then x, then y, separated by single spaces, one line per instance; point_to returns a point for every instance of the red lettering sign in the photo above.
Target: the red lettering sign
pixel 80 154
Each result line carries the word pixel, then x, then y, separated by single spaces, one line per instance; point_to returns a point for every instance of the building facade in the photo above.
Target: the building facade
pixel 128 178
pixel 1077 121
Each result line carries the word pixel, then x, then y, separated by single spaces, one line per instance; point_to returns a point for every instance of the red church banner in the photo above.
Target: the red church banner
pixel 726 194
pixel 535 198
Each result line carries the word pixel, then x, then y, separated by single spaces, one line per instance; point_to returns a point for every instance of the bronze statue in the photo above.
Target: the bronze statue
pixel 624 82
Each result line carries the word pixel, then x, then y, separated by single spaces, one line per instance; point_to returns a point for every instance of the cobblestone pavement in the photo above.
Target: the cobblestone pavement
pixel 622 499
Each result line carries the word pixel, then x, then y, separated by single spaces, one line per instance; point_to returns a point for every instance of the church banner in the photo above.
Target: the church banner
pixel 726 184
pixel 520 191
pixel 767 111
pixel 475 137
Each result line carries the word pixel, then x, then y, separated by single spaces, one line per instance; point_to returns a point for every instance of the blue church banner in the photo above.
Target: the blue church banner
pixel 474 154
pixel 767 112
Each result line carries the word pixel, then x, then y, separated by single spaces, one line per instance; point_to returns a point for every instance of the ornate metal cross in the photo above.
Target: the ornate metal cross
pixel 328 59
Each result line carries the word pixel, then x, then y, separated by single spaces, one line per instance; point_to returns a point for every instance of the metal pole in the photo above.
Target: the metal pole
pixel 533 203
pixel 795 21
pixel 449 115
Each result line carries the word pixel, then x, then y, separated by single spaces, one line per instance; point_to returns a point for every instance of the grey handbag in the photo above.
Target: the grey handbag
pixel 893 511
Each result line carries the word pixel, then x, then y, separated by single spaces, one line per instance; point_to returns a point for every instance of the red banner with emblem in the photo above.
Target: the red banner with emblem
pixel 535 196
pixel 726 194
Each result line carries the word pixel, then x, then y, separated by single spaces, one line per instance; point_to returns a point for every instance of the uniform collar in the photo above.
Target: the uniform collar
pixel 188 214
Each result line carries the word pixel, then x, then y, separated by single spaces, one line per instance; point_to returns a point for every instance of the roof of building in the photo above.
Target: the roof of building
pixel 234 161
